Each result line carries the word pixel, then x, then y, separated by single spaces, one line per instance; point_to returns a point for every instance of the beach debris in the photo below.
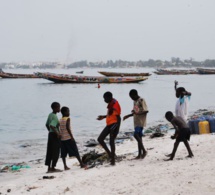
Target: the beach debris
pixel 13 167
pixel 25 145
pixel 49 177
pixel 202 113
pixel 66 190
pixel 37 161
pixel 121 137
pixel 91 143
pixel 31 188
pixel 8 190
pixel 92 156
pixel 93 159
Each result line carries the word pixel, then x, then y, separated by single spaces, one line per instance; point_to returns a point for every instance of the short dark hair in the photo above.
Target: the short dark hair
pixel 108 94
pixel 133 92
pixel 64 110
pixel 169 114
pixel 54 105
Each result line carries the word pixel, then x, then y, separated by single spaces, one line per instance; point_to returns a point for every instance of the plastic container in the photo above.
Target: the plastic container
pixel 196 125
pixel 192 127
pixel 15 168
pixel 211 121
pixel 204 127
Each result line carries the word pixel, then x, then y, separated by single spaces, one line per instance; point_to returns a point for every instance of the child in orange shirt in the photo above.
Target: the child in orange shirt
pixel 113 121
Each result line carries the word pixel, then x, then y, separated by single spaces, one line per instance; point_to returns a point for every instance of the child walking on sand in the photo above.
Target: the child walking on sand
pixel 182 134
pixel 68 144
pixel 139 114
pixel 53 145
pixel 113 121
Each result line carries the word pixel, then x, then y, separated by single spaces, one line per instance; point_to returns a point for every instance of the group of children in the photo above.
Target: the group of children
pixel 60 135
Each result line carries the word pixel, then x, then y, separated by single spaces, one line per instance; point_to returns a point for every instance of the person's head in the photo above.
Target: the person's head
pixel 108 97
pixel 55 107
pixel 133 94
pixel 65 111
pixel 179 92
pixel 169 116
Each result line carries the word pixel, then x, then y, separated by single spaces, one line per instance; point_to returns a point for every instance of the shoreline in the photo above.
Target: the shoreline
pixel 151 175
pixel 148 176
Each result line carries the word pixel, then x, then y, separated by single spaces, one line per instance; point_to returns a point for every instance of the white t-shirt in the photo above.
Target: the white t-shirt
pixel 182 106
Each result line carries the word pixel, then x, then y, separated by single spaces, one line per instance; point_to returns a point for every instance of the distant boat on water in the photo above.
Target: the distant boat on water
pixel 122 74
pixel 80 72
pixel 175 72
pixel 15 76
pixel 206 71
pixel 65 78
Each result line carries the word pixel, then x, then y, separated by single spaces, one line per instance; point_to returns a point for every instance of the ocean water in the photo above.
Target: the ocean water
pixel 25 105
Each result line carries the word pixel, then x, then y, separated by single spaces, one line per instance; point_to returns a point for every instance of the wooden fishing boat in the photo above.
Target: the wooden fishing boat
pixel 175 72
pixel 65 78
pixel 15 76
pixel 205 71
pixel 80 72
pixel 122 74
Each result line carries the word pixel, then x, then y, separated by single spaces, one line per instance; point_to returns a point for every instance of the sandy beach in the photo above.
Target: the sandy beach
pixel 151 175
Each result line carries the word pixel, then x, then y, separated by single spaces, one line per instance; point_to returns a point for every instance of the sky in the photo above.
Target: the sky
pixel 101 30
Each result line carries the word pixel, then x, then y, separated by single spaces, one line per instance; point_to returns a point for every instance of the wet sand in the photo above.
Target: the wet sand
pixel 151 175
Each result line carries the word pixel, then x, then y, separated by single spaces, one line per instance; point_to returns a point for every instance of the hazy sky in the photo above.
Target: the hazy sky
pixel 98 30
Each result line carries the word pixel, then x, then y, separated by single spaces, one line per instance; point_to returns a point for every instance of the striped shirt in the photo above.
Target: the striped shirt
pixel 64 132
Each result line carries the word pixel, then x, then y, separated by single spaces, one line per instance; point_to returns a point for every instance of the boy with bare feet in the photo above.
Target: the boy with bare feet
pixel 53 145
pixel 113 121
pixel 139 114
pixel 68 144
pixel 182 134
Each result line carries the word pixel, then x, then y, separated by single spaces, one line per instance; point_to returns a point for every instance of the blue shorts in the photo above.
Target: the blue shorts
pixel 138 131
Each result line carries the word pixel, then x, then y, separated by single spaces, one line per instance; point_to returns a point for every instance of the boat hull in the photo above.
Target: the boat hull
pixel 59 78
pixel 205 71
pixel 16 76
pixel 122 74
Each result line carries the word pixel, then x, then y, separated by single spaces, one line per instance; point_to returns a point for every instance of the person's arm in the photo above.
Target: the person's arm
pixel 176 84
pixel 141 112
pixel 186 93
pixel 127 116
pixel 55 130
pixel 68 128
pixel 176 130
pixel 100 117
pixel 47 126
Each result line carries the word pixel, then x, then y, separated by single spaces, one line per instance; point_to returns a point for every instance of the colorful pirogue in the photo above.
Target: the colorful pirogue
pixel 15 76
pixel 66 78
pixel 123 74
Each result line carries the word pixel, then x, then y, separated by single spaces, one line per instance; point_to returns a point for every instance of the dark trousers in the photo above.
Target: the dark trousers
pixel 53 150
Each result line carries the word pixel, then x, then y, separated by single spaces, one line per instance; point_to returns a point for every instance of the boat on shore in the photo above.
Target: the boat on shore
pixel 15 76
pixel 123 74
pixel 206 71
pixel 65 78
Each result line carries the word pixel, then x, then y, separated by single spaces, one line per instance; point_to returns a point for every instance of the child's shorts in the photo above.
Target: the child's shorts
pixel 69 147
pixel 138 131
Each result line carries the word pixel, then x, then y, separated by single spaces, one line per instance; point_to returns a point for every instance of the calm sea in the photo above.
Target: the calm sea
pixel 25 105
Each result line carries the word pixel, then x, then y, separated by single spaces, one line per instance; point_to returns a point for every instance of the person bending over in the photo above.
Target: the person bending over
pixel 182 134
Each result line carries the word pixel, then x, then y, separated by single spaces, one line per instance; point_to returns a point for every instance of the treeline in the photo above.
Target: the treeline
pixel 173 63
